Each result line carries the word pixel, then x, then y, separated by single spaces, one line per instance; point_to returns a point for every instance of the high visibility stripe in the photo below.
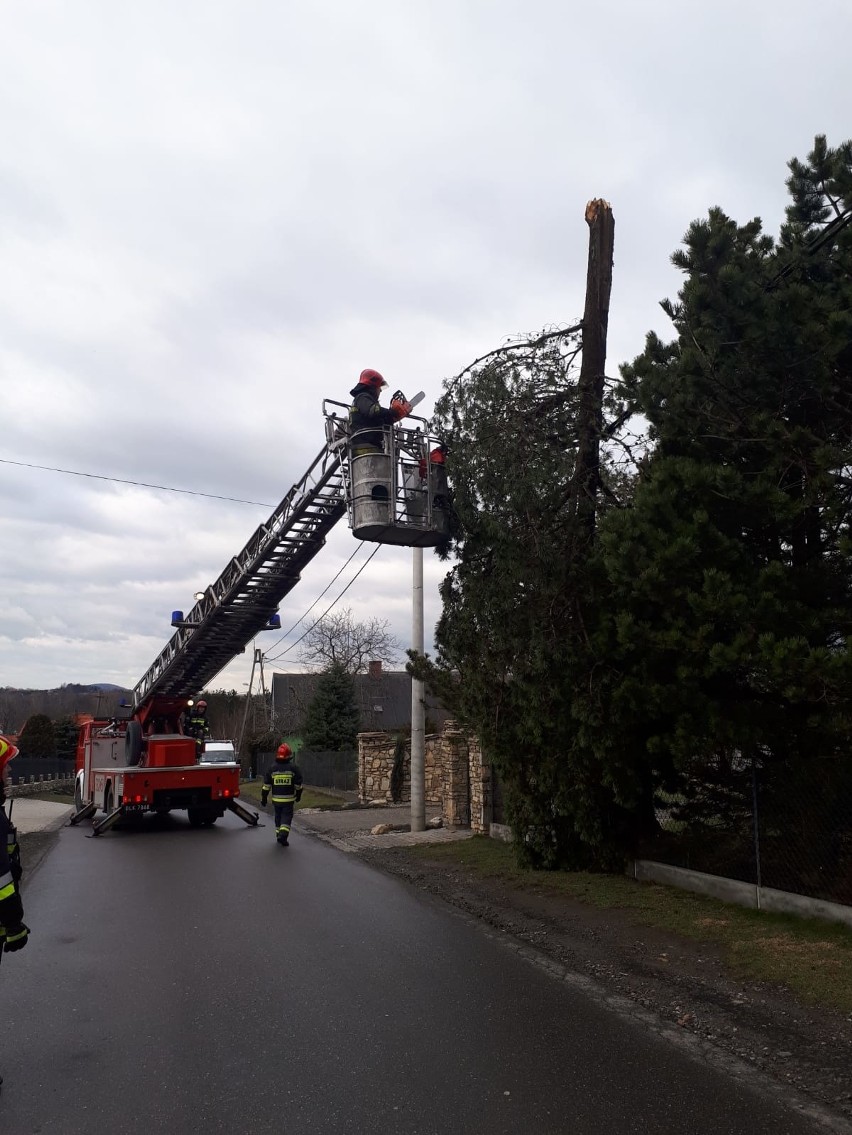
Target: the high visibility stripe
pixel 7 886
pixel 16 937
pixel 283 799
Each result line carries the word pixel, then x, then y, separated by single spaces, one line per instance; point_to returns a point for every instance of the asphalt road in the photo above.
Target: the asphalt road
pixel 199 981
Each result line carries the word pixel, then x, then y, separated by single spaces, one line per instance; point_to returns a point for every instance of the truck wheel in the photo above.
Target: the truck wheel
pixel 201 817
pixel 133 743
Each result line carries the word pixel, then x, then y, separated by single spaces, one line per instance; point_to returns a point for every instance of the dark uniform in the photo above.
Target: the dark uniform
pixel 284 780
pixel 13 933
pixel 366 414
pixel 196 725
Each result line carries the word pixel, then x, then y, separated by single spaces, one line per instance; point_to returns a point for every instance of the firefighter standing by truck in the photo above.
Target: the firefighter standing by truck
pixel 13 933
pixel 284 780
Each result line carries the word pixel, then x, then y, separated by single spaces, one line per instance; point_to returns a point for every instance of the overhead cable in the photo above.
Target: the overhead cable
pixel 138 484
pixel 328 608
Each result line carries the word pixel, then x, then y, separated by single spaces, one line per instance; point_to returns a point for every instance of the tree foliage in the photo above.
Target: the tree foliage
pixel 704 626
pixel 729 578
pixel 65 732
pixel 339 640
pixel 331 723
pixel 512 636
pixel 37 737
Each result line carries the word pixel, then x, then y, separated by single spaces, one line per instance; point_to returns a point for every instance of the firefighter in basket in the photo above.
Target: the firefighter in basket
pixel 197 725
pixel 367 416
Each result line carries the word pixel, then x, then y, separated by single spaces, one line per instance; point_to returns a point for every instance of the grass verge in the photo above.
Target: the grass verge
pixel 810 957
pixel 311 797
pixel 53 797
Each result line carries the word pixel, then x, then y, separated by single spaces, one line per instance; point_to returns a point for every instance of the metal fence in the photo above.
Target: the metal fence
pixel 787 826
pixel 24 769
pixel 321 770
pixel 330 770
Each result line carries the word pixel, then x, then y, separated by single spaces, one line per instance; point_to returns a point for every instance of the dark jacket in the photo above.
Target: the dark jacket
pixel 196 725
pixel 11 907
pixel 284 779
pixel 365 412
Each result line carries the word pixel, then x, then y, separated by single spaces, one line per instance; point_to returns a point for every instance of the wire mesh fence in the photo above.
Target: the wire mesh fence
pixel 330 770
pixel 319 769
pixel 787 826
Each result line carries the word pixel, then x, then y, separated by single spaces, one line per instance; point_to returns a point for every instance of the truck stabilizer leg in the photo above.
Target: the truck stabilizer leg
pixel 107 822
pixel 244 814
pixel 87 810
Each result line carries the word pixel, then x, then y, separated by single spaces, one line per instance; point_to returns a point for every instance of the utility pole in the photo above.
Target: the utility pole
pixel 245 763
pixel 587 469
pixel 418 708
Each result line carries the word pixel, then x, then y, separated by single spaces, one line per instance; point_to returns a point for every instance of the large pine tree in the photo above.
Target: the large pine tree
pixel 730 609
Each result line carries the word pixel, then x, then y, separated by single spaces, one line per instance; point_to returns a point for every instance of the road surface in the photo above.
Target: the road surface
pixel 199 981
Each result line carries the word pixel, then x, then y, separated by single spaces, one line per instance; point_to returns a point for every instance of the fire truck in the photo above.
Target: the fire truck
pixel 140 760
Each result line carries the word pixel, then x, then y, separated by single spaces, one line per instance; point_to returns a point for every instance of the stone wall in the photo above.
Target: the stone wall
pixel 35 786
pixel 457 780
pixel 375 766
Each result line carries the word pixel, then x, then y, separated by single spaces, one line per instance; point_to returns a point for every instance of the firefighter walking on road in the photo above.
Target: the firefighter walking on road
pixel 284 781
pixel 13 933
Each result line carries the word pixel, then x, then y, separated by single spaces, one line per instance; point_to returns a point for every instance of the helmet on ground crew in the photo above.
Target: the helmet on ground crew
pixel 201 704
pixel 372 378
pixel 7 752
pixel 284 752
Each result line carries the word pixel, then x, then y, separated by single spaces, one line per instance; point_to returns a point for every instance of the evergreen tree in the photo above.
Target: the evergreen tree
pixel 37 737
pixel 730 612
pixel 513 638
pixel 65 732
pixel 331 722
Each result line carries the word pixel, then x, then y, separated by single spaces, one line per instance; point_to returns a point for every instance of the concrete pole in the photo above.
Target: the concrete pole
pixel 418 709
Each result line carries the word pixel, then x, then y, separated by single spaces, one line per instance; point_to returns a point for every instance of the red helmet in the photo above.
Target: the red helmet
pixel 7 752
pixel 372 378
pixel 284 751
pixel 201 704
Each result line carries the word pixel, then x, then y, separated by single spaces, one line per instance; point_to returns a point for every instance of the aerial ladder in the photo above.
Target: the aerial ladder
pixel 142 761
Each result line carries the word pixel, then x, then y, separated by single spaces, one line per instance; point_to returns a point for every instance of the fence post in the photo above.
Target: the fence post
pixel 756 824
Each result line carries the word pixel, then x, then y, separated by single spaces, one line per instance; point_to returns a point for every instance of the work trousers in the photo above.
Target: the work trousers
pixel 283 820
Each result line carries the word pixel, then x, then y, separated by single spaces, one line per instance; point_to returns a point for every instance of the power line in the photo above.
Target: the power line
pixel 138 484
pixel 328 608
pixel 306 613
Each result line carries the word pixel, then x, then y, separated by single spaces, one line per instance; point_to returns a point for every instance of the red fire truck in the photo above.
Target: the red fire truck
pixel 124 771
pixel 140 760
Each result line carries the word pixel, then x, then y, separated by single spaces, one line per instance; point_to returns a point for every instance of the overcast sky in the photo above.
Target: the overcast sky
pixel 214 214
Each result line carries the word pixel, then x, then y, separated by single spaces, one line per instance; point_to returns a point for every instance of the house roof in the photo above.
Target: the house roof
pixel 384 701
